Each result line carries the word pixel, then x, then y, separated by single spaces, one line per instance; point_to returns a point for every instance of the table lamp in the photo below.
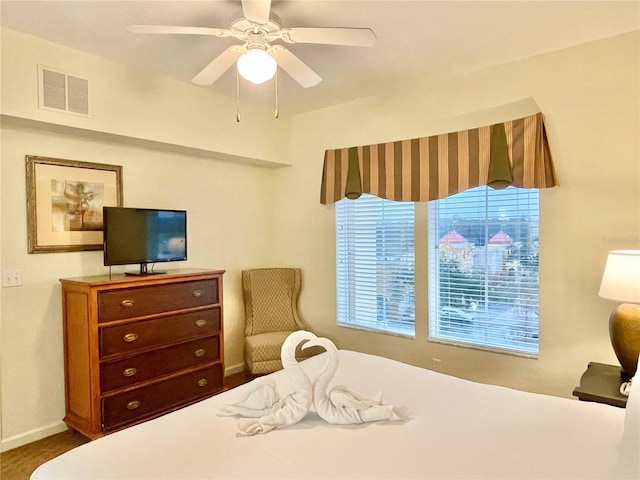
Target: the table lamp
pixel 621 282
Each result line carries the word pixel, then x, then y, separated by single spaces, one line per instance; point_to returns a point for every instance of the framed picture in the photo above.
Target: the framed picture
pixel 65 200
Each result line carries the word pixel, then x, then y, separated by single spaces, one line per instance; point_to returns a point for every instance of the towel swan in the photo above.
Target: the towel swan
pixel 293 407
pixel 340 405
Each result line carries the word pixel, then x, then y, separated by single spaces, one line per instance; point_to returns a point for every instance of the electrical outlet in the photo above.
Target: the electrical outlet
pixel 11 278
pixel 436 363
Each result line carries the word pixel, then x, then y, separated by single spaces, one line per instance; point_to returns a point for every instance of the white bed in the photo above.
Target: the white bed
pixel 455 429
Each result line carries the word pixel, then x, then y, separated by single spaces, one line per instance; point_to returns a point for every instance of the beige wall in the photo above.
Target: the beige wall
pixel 134 104
pixel 590 97
pixel 227 222
pixel 242 216
pixel 200 160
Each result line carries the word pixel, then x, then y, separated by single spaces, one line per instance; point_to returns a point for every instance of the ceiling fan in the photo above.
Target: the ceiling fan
pixel 256 57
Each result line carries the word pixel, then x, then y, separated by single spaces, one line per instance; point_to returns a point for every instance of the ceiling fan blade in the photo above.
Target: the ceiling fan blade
pixel 295 67
pixel 163 29
pixel 257 10
pixel 220 64
pixel 355 37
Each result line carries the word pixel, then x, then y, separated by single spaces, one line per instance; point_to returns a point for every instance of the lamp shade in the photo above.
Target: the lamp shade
pixel 257 66
pixel 621 278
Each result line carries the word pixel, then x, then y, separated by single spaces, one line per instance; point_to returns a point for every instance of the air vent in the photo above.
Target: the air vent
pixel 62 92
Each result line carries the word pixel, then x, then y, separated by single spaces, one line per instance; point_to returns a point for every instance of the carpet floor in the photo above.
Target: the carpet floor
pixel 19 463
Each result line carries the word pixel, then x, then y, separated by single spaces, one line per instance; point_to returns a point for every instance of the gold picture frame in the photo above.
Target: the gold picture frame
pixel 65 200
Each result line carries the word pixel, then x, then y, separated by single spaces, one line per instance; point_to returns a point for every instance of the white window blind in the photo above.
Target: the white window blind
pixel 375 264
pixel 483 269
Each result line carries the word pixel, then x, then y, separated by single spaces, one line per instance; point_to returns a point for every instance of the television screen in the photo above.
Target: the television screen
pixel 144 235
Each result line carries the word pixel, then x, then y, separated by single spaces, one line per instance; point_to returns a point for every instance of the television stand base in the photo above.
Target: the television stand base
pixel 139 274
pixel 144 271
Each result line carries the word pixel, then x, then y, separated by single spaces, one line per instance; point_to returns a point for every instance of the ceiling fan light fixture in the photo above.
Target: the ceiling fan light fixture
pixel 257 66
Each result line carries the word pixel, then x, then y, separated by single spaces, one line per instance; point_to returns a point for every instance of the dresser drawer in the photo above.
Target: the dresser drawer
pixel 147 300
pixel 158 332
pixel 146 401
pixel 146 366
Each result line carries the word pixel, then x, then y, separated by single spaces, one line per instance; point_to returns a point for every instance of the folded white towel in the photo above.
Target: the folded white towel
pixel 341 405
pixel 295 406
pixel 260 401
pixel 341 395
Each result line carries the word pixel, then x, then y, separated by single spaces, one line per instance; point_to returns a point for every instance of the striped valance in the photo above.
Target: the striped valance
pixel 510 153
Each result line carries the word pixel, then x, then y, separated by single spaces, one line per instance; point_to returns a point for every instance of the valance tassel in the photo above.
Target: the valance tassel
pixel 353 188
pixel 500 175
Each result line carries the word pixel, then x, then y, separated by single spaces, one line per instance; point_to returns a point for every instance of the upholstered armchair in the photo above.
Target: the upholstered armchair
pixel 271 313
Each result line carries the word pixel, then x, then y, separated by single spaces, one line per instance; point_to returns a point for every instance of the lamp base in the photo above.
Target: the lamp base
pixel 624 330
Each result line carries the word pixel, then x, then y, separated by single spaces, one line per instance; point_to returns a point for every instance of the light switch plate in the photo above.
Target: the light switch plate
pixel 11 278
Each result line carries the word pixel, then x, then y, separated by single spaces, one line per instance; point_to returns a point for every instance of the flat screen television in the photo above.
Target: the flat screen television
pixel 144 236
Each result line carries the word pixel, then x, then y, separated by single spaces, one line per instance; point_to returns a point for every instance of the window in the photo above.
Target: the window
pixel 483 269
pixel 375 264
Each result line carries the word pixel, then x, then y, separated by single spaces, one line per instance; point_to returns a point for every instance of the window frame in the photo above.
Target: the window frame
pixel 422 303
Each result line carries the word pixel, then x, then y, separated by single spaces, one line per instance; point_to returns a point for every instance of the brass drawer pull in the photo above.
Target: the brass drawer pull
pixel 126 303
pixel 130 337
pixel 133 404
pixel 200 352
pixel 130 372
pixel 202 382
pixel 197 293
pixel 201 322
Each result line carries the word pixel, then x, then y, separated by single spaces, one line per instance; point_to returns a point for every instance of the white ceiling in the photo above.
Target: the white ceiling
pixel 415 39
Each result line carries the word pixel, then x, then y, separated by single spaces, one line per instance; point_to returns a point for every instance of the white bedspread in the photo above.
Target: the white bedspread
pixel 456 429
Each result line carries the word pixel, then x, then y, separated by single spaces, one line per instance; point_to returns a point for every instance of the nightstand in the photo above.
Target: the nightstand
pixel 601 383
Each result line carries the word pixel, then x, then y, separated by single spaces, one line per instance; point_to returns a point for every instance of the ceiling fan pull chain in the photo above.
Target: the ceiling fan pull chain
pixel 237 97
pixel 277 113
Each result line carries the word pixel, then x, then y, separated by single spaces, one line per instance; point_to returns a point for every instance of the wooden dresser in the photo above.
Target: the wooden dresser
pixel 138 347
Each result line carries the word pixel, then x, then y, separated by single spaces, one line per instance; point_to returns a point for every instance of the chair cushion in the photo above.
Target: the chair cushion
pixel 264 346
pixel 262 352
pixel 262 368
